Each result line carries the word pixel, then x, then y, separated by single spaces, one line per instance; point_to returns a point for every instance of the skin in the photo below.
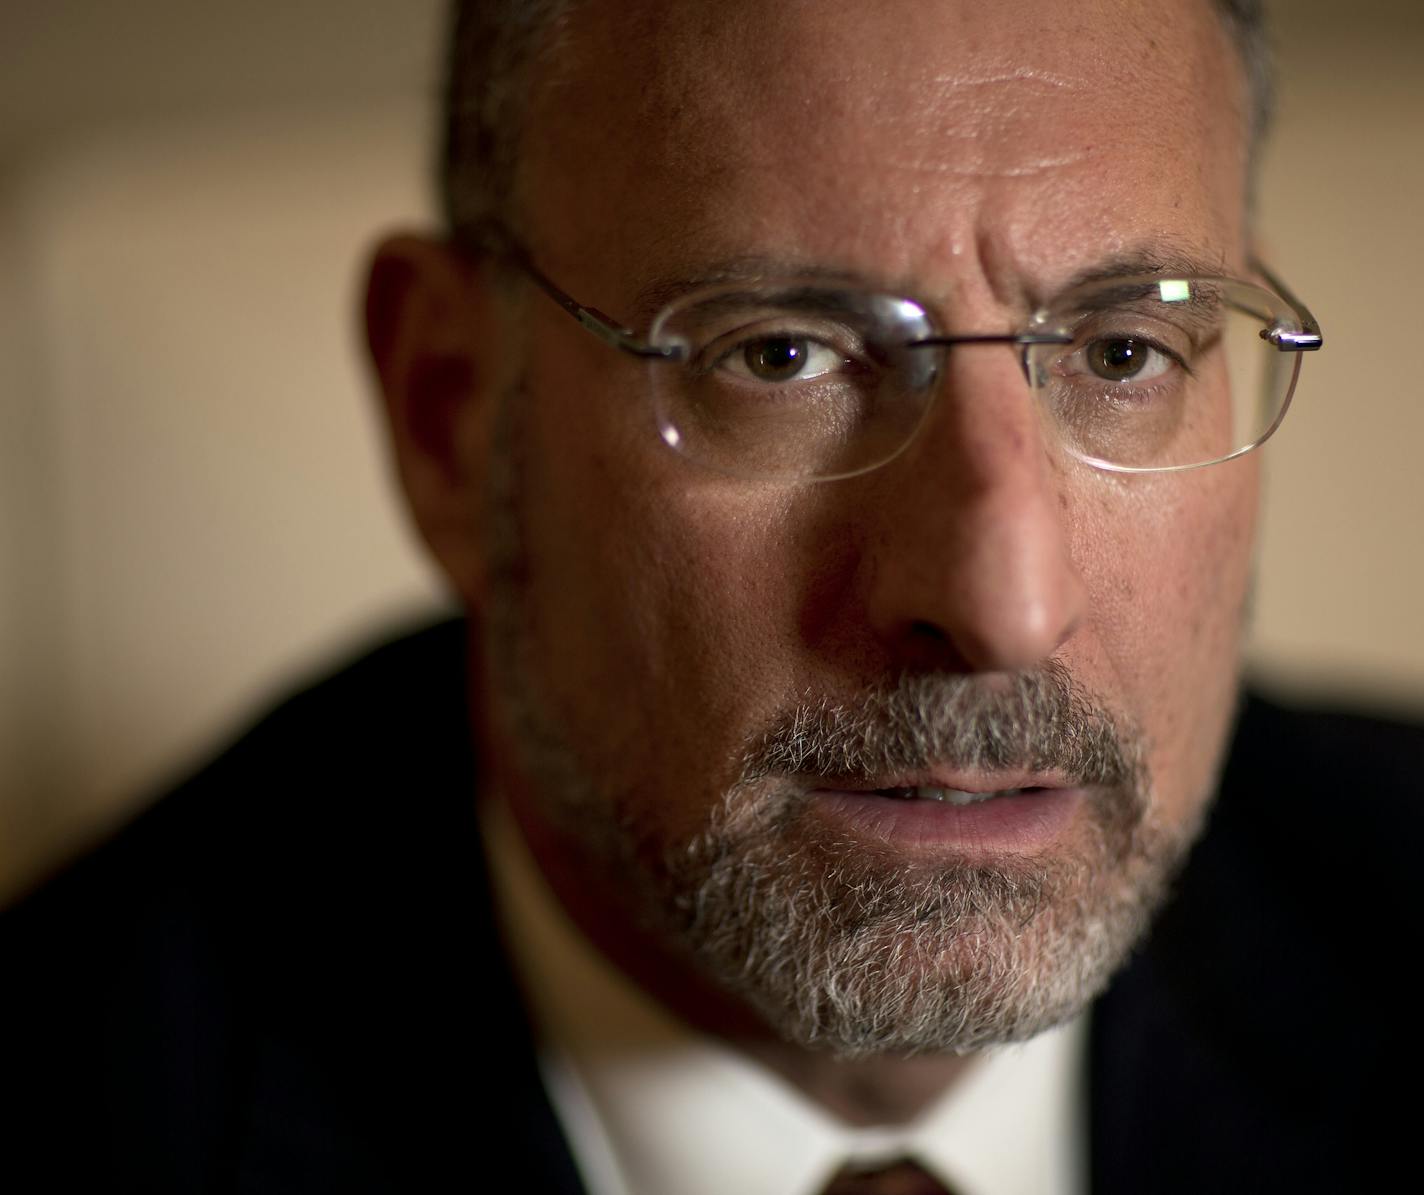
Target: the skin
pixel 976 156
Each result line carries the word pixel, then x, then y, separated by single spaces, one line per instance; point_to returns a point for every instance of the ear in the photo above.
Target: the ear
pixel 433 330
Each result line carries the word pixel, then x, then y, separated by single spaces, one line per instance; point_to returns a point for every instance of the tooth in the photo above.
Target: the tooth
pixel 952 796
pixel 957 796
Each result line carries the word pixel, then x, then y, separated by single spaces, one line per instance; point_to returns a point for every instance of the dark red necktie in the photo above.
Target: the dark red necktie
pixel 897 1178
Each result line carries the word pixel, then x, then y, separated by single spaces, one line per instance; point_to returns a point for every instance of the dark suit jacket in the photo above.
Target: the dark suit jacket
pixel 284 976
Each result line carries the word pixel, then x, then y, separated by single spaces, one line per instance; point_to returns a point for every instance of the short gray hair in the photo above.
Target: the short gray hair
pixel 1249 31
pixel 494 43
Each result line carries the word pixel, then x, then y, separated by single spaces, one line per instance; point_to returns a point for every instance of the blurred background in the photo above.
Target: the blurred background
pixel 195 509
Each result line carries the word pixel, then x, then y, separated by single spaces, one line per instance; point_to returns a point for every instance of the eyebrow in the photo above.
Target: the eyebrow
pixel 1164 258
pixel 651 298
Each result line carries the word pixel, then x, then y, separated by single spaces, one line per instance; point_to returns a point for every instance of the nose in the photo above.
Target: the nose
pixel 970 566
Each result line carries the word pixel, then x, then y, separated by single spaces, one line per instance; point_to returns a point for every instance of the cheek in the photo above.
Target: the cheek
pixel 1168 561
pixel 649 587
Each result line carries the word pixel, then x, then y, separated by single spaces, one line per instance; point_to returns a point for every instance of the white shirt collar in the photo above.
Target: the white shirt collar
pixel 651 1106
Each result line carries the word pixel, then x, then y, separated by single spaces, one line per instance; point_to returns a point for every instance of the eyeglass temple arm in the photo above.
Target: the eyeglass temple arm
pixel 1289 340
pixel 604 327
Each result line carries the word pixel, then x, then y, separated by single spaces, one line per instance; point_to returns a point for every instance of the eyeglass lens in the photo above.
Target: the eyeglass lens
pixel 811 381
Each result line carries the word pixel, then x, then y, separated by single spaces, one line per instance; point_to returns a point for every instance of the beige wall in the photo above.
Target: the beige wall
pixel 193 501
pixel 32 647
pixel 193 494
pixel 1341 600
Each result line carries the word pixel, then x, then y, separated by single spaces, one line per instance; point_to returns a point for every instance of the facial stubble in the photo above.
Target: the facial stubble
pixel 841 944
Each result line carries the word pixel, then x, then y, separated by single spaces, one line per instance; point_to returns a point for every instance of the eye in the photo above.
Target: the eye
pixel 1125 359
pixel 782 359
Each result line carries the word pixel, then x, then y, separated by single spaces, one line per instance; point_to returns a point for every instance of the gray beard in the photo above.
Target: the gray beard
pixel 858 951
pixel 839 945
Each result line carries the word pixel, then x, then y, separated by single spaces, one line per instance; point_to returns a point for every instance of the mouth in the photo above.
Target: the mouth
pixel 953 796
pixel 961 813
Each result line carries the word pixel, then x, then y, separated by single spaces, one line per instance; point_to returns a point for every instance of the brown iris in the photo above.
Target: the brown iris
pixel 776 359
pixel 1117 360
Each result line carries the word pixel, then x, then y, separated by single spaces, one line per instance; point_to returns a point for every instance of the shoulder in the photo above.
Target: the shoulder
pixel 1313 801
pixel 1325 752
pixel 315 757
pixel 255 965
pixel 1302 870
pixel 1256 1012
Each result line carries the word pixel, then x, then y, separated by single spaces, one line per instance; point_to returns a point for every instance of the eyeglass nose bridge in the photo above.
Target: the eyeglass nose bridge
pixel 1026 342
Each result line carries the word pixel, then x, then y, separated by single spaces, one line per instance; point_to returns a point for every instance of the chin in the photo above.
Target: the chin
pixel 851 951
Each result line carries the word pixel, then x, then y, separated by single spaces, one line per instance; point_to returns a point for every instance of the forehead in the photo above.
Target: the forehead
pixel 871 136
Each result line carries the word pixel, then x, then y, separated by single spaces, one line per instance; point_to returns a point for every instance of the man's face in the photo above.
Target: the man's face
pixel 729 704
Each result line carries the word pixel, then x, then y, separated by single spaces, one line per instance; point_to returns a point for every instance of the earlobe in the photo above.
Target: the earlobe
pixel 429 322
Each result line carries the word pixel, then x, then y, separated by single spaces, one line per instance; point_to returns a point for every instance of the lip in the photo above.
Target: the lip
pixel 965 781
pixel 1026 822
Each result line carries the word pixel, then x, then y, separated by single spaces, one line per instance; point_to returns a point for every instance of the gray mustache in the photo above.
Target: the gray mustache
pixel 1039 720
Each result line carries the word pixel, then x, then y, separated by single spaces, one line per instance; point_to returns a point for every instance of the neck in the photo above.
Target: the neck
pixel 879 1090
pixel 884 1090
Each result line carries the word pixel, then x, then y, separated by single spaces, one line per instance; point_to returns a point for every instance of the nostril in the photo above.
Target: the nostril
pixel 924 644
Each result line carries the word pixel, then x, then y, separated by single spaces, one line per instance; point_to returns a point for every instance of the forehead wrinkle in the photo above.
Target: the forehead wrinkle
pixel 717 121
pixel 1044 80
pixel 721 78
pixel 948 126
pixel 728 87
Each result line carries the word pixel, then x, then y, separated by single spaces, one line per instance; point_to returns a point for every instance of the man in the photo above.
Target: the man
pixel 853 648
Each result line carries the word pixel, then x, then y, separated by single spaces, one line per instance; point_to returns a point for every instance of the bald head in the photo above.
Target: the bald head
pixel 497 48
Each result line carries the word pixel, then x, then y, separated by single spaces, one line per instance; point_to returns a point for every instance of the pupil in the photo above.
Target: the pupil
pixel 1117 359
pixel 776 360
